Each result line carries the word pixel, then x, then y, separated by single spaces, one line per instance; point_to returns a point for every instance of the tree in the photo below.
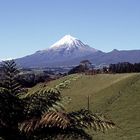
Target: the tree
pixel 86 64
pixel 41 114
pixel 11 106
pixel 82 67
pixel 10 77
pixel 77 69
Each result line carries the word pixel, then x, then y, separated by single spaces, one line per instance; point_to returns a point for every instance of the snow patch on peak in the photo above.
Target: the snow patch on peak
pixel 68 37
pixel 66 40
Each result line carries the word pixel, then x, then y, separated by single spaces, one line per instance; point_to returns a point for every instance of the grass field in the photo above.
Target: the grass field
pixel 117 95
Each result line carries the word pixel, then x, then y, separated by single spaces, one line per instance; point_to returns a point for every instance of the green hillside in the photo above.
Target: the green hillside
pixel 117 95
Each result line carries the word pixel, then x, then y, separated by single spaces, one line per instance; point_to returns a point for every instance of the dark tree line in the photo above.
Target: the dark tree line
pixel 31 79
pixel 124 67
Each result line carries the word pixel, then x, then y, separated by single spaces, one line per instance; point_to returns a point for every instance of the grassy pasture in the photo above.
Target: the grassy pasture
pixel 117 95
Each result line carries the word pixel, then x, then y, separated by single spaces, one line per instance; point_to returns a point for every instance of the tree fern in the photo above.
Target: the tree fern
pixel 42 101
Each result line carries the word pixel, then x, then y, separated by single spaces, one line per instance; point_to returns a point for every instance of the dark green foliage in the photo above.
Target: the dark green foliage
pixel 10 77
pixel 82 67
pixel 77 69
pixel 27 80
pixel 11 107
pixel 30 79
pixel 41 101
pixel 124 67
pixel 85 119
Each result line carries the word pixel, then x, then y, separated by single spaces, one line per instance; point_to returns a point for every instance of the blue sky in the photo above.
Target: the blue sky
pixel 30 25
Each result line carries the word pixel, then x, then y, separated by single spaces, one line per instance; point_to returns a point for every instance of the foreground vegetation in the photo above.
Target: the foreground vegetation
pixel 116 95
pixel 40 114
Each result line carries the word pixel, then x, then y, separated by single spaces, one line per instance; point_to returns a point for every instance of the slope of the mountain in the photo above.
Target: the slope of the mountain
pixel 115 56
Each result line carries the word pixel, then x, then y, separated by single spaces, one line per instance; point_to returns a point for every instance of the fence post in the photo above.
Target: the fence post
pixel 88 102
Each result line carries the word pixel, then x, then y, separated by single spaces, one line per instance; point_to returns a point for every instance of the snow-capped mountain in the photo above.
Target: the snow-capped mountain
pixel 70 51
pixel 66 49
pixel 68 46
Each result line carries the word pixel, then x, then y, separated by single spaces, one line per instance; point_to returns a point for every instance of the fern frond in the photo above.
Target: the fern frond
pixel 48 120
pixel 29 125
pixel 86 119
pixel 54 119
pixel 42 101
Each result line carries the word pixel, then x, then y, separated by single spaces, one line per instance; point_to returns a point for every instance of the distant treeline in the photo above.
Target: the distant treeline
pixel 29 78
pixel 124 67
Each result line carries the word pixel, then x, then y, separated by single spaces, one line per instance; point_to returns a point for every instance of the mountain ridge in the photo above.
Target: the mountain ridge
pixel 70 51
